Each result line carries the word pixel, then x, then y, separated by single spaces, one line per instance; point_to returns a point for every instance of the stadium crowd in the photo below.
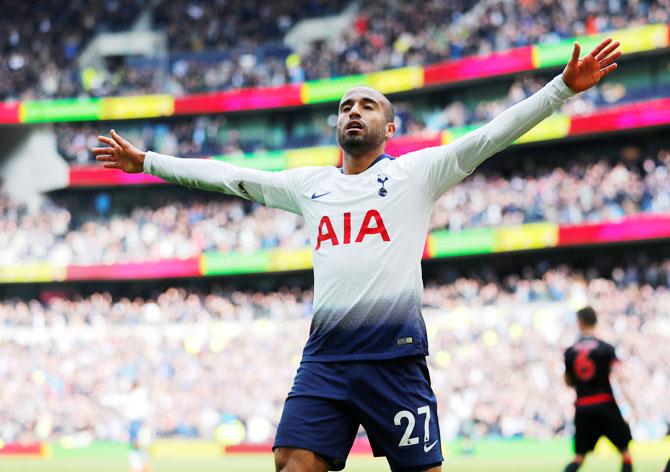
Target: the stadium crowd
pixel 69 230
pixel 206 56
pixel 386 36
pixel 41 42
pixel 214 134
pixel 220 357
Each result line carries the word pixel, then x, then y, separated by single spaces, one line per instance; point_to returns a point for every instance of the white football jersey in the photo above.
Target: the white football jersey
pixel 367 230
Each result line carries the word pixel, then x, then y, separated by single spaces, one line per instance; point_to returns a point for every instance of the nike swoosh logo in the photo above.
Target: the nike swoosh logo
pixel 315 196
pixel 428 448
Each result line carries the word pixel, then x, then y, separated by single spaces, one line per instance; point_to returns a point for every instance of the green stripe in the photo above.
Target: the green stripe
pixel 558 54
pixel 461 243
pixel 463 130
pixel 235 263
pixel 509 448
pixel 96 449
pixel 269 160
pixel 67 109
pixel 328 90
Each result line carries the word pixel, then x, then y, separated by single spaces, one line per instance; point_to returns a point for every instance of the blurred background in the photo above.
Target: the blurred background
pixel 134 308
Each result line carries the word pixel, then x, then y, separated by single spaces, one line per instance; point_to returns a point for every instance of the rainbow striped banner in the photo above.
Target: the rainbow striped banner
pixel 440 244
pixel 557 126
pixel 633 40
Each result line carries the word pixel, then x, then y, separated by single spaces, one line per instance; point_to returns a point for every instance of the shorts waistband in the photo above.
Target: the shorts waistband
pixel 595 399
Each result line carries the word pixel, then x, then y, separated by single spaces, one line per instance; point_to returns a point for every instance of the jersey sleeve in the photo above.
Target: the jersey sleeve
pixel 568 360
pixel 441 167
pixel 613 358
pixel 435 168
pixel 272 189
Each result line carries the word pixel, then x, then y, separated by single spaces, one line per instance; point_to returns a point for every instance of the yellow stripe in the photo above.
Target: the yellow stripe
pixel 397 80
pixel 295 259
pixel 555 127
pixel 147 106
pixel 39 272
pixel 313 156
pixel 528 236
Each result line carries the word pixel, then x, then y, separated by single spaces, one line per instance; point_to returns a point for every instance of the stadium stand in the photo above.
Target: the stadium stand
pixel 496 343
pixel 66 230
pixel 377 39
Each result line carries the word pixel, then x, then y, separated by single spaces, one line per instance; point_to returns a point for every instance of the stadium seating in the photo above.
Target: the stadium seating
pixel 184 225
pixel 383 35
pixel 214 355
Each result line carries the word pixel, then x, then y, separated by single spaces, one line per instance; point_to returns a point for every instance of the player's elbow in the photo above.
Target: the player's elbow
pixel 568 381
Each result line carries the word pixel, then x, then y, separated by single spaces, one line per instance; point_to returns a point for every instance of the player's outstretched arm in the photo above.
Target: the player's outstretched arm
pixel 274 189
pixel 441 167
pixel 578 75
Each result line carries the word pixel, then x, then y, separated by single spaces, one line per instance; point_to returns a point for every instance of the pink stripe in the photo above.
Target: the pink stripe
pixel 242 99
pixel 507 62
pixel 9 112
pixel 97 176
pixel 33 449
pixel 636 115
pixel 165 268
pixel 633 228
pixel 404 144
pixel 360 446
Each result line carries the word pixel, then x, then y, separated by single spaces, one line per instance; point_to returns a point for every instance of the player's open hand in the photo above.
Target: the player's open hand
pixel 584 73
pixel 119 154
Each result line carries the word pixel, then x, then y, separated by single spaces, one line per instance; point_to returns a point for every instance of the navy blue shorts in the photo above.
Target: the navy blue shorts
pixel 391 399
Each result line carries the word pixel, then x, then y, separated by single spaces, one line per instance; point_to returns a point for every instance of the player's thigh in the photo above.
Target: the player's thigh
pixel 616 428
pixel 588 429
pixel 397 407
pixel 288 459
pixel 323 427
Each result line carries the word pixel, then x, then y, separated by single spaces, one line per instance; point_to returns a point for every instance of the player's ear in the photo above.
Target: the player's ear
pixel 390 129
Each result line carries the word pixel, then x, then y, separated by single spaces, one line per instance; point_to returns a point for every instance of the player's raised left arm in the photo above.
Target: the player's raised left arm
pixel 578 75
pixel 441 167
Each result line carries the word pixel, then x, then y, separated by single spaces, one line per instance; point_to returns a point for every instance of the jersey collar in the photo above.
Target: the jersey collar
pixel 380 158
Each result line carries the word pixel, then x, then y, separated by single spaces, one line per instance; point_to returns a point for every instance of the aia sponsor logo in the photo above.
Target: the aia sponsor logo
pixel 372 225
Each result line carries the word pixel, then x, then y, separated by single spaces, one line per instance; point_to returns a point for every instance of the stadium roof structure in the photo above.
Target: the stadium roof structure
pixel 546 55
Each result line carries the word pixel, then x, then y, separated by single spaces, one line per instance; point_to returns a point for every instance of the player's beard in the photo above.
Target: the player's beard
pixel 358 145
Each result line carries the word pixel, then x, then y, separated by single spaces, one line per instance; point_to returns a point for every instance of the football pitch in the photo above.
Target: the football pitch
pixel 263 462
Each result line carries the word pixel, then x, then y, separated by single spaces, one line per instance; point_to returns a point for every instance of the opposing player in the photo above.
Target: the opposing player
pixel 588 364
pixel 364 363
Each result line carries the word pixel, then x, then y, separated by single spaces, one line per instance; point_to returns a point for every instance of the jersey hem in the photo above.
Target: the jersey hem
pixel 362 357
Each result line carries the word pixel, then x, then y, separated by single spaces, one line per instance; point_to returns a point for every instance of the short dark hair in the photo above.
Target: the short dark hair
pixel 389 112
pixel 587 316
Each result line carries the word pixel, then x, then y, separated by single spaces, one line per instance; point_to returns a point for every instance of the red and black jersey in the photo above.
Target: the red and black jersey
pixel 588 363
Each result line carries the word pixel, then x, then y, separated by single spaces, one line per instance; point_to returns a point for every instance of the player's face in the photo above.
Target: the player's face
pixel 361 121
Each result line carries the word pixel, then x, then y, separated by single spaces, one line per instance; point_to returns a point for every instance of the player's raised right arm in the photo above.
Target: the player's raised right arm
pixel 274 189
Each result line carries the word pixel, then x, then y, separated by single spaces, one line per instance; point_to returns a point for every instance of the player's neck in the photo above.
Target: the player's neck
pixel 588 332
pixel 357 164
